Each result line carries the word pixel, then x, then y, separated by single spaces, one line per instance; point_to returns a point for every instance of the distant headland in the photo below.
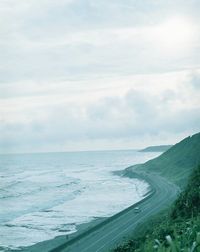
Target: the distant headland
pixel 158 148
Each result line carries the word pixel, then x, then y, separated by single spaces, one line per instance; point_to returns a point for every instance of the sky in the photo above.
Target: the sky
pixel 98 74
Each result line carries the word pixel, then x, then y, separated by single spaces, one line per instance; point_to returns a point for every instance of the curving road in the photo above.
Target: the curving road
pixel 112 232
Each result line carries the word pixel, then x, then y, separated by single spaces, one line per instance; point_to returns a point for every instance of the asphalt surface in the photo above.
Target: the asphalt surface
pixel 107 236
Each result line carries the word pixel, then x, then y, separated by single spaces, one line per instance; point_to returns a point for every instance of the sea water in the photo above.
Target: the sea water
pixel 49 194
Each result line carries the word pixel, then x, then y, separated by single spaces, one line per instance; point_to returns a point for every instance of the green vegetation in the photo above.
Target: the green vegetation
pixel 176 163
pixel 176 230
pixel 158 148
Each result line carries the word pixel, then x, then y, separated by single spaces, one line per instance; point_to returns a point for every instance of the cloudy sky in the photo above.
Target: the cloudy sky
pixel 98 74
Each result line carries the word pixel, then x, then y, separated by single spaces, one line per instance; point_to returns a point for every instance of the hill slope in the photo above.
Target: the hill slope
pixel 176 163
pixel 178 230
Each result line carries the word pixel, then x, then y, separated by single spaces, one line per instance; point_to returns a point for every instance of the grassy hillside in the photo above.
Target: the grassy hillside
pixel 176 163
pixel 178 230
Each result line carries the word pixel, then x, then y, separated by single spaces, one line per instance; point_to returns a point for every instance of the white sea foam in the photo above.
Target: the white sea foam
pixel 46 195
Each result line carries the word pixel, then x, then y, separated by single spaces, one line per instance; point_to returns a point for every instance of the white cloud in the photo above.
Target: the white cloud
pixel 109 115
pixel 47 40
pixel 95 71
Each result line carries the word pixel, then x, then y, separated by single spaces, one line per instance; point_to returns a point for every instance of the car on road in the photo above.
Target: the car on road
pixel 137 210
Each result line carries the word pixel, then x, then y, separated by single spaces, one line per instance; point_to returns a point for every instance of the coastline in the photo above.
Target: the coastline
pixel 48 245
pixel 85 228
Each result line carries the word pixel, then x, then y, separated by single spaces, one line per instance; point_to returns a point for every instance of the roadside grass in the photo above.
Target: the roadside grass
pixel 174 238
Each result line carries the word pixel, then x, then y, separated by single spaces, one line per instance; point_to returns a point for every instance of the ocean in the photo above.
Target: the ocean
pixel 48 194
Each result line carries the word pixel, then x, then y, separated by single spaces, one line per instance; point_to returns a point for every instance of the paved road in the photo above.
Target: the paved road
pixel 109 235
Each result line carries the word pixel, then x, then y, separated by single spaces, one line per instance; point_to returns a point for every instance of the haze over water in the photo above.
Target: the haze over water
pixel 46 195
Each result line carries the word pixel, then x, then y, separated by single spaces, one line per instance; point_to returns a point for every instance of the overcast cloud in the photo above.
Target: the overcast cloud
pixel 91 74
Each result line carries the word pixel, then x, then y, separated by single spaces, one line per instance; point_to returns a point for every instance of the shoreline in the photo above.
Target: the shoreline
pixel 48 245
pixel 85 228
